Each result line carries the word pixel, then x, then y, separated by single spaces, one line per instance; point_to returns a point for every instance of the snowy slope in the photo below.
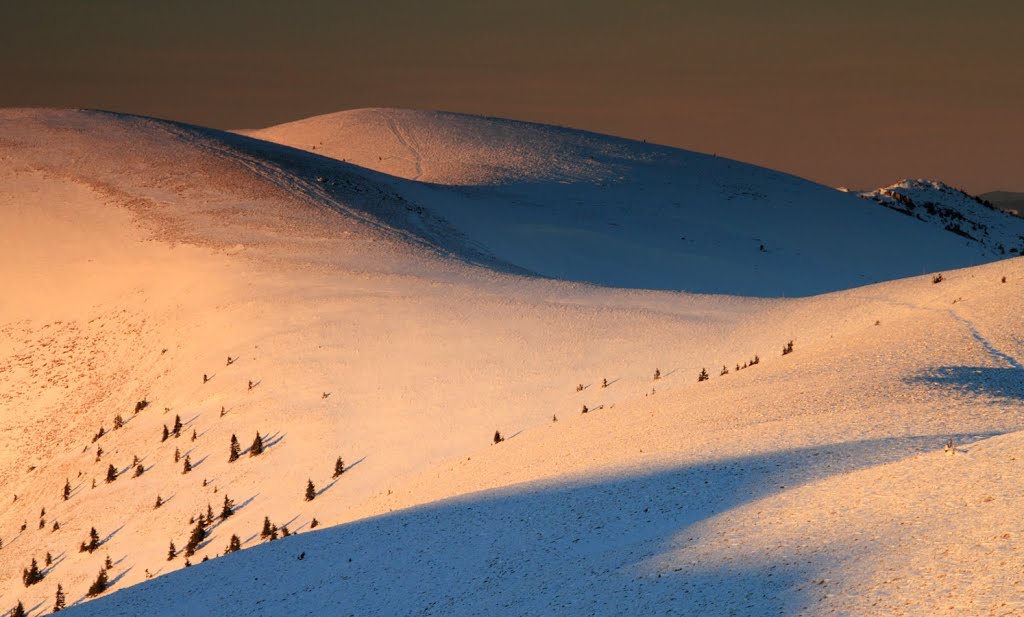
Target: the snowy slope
pixel 139 255
pixel 775 490
pixel 998 232
pixel 586 207
pixel 142 254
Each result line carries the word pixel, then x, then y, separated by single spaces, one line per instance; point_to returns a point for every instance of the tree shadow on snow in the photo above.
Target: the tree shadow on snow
pixel 56 562
pixel 328 486
pixel 352 465
pixel 110 536
pixel 996 382
pixel 120 575
pixel 545 547
pixel 29 611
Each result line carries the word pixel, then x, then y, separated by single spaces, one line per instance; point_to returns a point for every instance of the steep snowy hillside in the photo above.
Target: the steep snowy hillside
pixel 997 231
pixel 580 206
pixel 777 489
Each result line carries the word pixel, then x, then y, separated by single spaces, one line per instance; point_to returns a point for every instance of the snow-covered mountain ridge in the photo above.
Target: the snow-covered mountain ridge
pixel 575 205
pixel 998 231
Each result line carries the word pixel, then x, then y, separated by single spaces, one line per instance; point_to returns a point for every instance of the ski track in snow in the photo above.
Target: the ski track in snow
pixel 405 141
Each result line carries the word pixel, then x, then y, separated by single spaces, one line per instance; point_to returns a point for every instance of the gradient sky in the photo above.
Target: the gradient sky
pixel 859 94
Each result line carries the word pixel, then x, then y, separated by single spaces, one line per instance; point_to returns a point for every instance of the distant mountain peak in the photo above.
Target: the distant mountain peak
pixel 956 210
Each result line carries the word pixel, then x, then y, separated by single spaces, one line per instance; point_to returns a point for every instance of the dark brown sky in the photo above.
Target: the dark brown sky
pixel 853 93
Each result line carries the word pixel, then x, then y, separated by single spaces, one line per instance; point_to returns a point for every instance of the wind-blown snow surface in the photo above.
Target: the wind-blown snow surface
pixel 139 255
pixel 586 207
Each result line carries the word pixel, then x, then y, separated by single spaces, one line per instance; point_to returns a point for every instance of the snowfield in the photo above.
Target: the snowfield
pixel 392 287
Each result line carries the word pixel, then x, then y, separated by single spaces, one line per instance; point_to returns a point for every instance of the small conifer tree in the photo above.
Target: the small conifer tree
pixel 172 552
pixel 310 491
pixel 56 526
pixel 118 422
pixel 339 467
pixel 58 603
pixel 18 611
pixel 197 537
pixel 99 585
pixel 93 543
pixel 257 446
pixel 165 434
pixel 31 575
pixel 49 559
pixel 228 509
pixel 314 523
pixel 177 455
pixel 265 533
pixel 139 470
pixel 111 474
pixel 194 436
pixel 234 544
pixel 657 374
pixel 109 565
pixel 234 451
pixel 67 490
pixel 497 437
pixel 703 376
pixel 187 467
pixel 159 502
pixel 177 426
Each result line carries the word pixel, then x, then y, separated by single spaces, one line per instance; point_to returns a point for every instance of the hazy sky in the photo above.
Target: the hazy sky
pixel 852 93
